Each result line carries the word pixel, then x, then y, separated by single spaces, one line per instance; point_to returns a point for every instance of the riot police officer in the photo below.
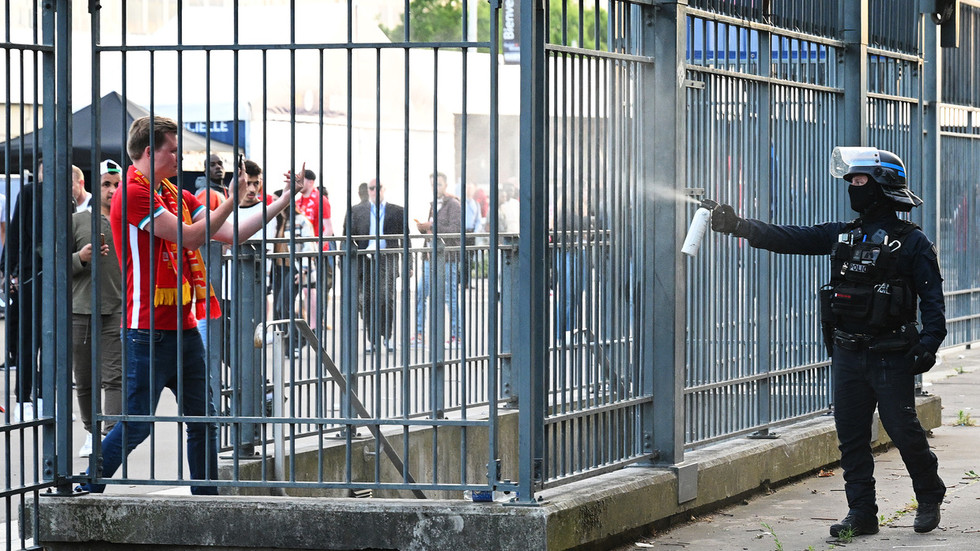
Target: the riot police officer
pixel 881 267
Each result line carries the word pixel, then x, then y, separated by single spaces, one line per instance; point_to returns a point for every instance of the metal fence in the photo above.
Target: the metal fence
pixel 958 124
pixel 569 310
pixel 760 120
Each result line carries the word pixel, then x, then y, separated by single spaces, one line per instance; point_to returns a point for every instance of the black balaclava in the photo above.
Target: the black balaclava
pixel 863 197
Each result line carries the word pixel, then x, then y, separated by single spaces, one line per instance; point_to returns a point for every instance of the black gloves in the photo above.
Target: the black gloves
pixel 923 360
pixel 724 219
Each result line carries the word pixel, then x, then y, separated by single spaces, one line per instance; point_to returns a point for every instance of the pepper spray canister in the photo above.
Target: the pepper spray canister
pixel 699 226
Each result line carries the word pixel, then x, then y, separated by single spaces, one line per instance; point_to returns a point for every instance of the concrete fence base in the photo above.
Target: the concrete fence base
pixel 593 513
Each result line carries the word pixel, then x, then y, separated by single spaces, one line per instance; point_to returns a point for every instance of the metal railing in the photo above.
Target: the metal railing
pixel 575 311
pixel 392 380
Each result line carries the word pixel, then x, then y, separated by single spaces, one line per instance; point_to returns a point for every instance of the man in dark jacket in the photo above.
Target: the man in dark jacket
pixel 22 265
pixel 881 267
pixel 377 266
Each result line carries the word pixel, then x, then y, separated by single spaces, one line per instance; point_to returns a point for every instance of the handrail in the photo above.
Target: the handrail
pixel 331 367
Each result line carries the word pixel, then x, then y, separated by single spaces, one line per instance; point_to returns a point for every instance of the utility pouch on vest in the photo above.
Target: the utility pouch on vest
pixel 828 321
pixel 898 340
pixel 881 306
pixel 850 300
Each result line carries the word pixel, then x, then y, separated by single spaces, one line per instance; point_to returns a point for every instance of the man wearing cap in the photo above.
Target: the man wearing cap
pixel 107 313
pixel 883 269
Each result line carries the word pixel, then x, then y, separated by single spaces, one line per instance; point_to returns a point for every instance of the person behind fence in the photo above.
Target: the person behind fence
pixel 881 267
pixel 212 190
pixel 445 216
pixel 80 196
pixel 248 205
pixel 22 266
pixel 314 202
pixel 109 312
pixel 473 222
pixel 288 278
pixel 167 300
pixel 377 266
pixel 572 231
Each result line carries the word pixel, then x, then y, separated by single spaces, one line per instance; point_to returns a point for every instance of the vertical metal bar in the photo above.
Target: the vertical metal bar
pixel 662 283
pixel 930 169
pixel 55 384
pixel 95 324
pixel 764 148
pixel 408 266
pixel 494 307
pixel 855 77
pixel 531 350
pixel 931 158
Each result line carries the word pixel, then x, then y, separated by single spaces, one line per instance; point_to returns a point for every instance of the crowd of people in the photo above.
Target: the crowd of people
pixel 153 294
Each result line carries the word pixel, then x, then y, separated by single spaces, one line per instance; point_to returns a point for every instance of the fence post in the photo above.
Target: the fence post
pixel 437 309
pixel 854 77
pixel 929 169
pixel 767 277
pixel 55 288
pixel 248 394
pixel 531 354
pixel 662 306
pixel 348 331
pixel 508 316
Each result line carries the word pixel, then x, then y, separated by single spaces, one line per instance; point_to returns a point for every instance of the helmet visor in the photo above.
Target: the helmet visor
pixel 844 159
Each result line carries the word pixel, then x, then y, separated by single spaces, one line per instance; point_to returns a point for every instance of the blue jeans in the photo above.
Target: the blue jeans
pixel 864 379
pixel 212 356
pixel 144 395
pixel 452 295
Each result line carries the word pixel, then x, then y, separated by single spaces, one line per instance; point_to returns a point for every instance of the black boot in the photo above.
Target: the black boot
pixel 857 524
pixel 926 517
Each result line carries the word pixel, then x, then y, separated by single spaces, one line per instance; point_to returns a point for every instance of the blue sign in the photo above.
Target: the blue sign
pixel 221 131
pixel 511 31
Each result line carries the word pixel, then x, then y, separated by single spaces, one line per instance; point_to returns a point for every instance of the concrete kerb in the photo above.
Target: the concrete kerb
pixel 592 513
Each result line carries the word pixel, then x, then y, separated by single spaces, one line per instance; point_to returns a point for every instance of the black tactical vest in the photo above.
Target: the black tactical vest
pixel 866 290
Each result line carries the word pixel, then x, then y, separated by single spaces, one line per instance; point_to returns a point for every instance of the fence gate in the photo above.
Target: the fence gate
pixel 360 104
pixel 36 294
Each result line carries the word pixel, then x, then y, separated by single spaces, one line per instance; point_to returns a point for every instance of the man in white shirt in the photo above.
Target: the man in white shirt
pixel 82 198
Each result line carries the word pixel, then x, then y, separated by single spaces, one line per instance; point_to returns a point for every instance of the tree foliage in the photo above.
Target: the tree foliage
pixel 430 21
pixel 571 23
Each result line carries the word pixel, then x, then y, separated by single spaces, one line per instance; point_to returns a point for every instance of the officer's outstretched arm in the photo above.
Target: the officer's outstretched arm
pixel 811 240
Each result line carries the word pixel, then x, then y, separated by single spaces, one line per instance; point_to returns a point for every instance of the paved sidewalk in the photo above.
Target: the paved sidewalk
pixel 798 516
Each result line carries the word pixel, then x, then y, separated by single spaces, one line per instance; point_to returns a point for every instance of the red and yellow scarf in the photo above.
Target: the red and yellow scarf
pixel 194 280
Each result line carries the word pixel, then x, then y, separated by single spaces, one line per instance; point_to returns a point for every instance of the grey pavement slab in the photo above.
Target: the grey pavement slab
pixel 797 516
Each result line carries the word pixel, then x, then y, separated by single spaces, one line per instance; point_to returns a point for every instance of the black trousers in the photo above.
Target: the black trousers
pixel 24 337
pixel 285 289
pixel 376 295
pixel 864 379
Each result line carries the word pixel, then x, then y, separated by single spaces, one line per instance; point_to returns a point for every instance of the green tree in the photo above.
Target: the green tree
pixel 442 21
pixel 430 21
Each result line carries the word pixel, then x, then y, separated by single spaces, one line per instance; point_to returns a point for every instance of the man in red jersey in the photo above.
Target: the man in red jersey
pixel 166 290
pixel 315 204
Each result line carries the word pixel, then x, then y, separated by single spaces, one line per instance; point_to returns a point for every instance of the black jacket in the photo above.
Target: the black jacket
pixel 918 261
pixel 23 236
pixel 358 224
